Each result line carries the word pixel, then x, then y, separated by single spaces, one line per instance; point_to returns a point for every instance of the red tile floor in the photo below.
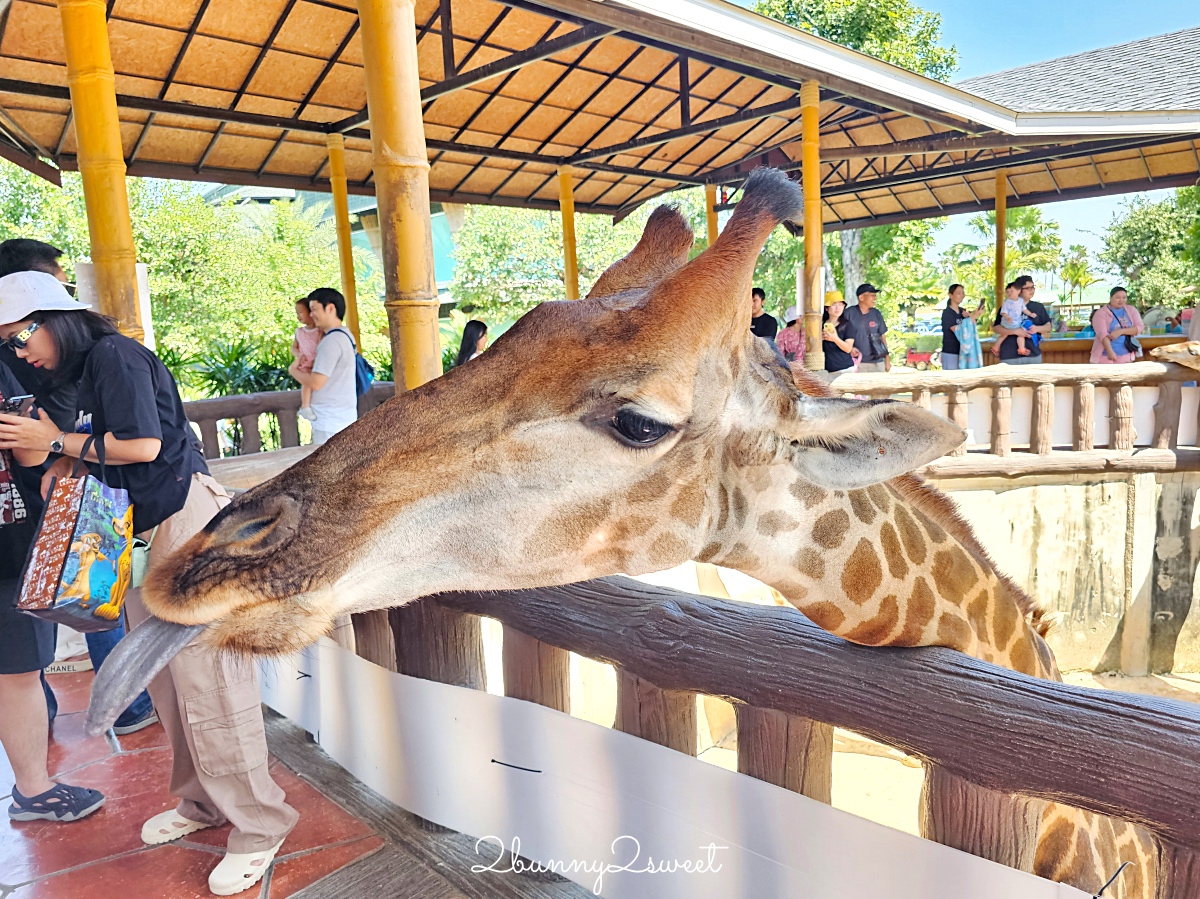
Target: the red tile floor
pixel 103 855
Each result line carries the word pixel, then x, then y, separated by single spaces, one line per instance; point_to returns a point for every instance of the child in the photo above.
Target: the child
pixel 304 349
pixel 1012 317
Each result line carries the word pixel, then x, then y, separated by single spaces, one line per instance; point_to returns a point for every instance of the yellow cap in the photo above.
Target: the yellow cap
pixel 833 296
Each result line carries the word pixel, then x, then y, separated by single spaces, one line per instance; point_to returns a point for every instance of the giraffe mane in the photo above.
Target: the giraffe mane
pixel 919 493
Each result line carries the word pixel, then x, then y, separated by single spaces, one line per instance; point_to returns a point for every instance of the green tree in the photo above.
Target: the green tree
pixel 1076 271
pixel 1153 247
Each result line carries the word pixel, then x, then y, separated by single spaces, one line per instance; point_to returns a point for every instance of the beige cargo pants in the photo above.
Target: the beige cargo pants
pixel 209 705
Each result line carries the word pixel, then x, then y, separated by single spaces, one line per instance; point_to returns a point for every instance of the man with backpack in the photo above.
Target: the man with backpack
pixel 335 374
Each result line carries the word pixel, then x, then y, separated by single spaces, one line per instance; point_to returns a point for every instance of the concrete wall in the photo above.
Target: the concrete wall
pixel 1114 556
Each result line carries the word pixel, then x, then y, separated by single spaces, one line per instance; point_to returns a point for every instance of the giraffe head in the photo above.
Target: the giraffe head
pixel 587 441
pixel 1185 353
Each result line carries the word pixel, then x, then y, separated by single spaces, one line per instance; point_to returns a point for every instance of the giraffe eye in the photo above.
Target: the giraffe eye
pixel 638 430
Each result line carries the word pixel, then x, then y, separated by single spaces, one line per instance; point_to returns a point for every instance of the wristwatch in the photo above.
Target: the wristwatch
pixel 56 445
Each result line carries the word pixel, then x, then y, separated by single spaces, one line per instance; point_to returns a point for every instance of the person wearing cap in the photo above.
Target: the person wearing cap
pixel 761 323
pixel 865 326
pixel 839 349
pixel 791 339
pixel 127 398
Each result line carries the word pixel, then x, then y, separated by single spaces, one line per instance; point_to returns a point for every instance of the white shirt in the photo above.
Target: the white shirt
pixel 335 404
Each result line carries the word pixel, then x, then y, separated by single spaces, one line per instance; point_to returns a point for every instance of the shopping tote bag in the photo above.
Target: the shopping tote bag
pixel 81 562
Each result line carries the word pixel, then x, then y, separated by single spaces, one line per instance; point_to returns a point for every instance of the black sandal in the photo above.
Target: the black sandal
pixel 60 803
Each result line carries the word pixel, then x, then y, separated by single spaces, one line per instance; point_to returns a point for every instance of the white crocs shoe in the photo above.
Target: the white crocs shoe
pixel 240 871
pixel 168 826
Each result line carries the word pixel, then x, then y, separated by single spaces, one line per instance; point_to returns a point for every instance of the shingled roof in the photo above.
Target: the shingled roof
pixel 1155 73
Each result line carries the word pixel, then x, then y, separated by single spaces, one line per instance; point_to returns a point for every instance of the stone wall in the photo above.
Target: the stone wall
pixel 1114 556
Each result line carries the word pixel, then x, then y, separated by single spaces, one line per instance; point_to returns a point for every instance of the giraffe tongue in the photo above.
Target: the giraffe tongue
pixel 139 656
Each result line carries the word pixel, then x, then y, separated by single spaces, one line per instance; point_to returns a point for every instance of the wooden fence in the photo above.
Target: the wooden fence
pixel 995 386
pixel 248 409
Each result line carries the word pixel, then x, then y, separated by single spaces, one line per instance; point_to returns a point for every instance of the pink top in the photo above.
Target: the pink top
pixel 789 340
pixel 304 347
pixel 1104 321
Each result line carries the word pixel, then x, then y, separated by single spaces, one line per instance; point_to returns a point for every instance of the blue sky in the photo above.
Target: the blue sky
pixel 992 36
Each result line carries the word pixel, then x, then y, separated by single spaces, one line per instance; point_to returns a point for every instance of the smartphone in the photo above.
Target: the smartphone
pixel 17 405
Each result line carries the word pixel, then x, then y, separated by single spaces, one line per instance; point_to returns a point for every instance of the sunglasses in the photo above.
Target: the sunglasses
pixel 70 289
pixel 21 338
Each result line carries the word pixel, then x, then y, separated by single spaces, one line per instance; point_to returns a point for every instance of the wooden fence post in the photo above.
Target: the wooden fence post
pixel 1041 425
pixel 1178 872
pixel 957 408
pixel 1166 415
pixel 785 750
pixel 1084 432
pixel 1002 827
pixel 1121 417
pixel 1001 420
pixel 666 717
pixel 373 638
pixel 536 671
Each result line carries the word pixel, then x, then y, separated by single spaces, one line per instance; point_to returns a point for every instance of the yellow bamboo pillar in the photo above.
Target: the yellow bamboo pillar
pixel 710 211
pixel 341 218
pixel 566 205
pixel 814 273
pixel 1001 228
pixel 101 160
pixel 389 47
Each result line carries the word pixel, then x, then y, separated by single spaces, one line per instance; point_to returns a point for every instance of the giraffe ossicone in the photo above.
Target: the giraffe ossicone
pixel 629 432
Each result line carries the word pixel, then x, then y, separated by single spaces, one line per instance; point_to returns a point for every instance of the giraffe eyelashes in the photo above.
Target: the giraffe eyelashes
pixel 637 430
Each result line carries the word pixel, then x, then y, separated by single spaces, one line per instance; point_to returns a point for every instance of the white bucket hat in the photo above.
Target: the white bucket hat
pixel 24 293
pixel 792 313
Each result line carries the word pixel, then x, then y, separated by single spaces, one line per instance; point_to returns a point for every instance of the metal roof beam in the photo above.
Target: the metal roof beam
pixel 30 163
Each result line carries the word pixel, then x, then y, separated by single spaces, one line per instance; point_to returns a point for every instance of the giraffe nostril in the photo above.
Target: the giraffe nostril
pixel 255 525
pixel 253 528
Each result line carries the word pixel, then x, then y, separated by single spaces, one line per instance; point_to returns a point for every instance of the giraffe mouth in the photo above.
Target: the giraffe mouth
pixel 140 655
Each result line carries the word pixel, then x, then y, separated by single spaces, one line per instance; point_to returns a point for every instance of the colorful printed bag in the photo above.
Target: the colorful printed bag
pixel 80 565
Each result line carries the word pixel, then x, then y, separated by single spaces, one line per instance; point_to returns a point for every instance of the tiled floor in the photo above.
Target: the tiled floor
pixel 103 855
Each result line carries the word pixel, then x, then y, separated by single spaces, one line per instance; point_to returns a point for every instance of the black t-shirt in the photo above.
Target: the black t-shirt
pixel 127 392
pixel 15 538
pixel 765 326
pixel 1008 347
pixel 860 327
pixel 836 359
pixel 951 318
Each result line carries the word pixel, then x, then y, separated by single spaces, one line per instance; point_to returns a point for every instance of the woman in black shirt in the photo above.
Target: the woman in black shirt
pixel 952 317
pixel 208 702
pixel 837 347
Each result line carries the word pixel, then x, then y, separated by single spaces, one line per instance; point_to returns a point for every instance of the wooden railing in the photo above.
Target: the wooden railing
pixel 247 410
pixel 1019 740
pixel 1159 451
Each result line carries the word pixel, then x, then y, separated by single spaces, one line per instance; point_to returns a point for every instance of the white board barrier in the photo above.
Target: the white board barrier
pixel 85 292
pixel 621 816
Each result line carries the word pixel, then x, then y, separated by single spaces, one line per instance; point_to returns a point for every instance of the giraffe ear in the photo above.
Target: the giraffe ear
pixel 845 444
pixel 662 250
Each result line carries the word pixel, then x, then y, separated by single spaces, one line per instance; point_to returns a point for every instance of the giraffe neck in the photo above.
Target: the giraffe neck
pixel 887 565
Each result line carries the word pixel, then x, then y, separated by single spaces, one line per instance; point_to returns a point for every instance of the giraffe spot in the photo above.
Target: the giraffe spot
pixel 809 494
pixel 880 497
pixel 722 507
pixel 1105 847
pixel 758 477
pixel 953 632
pixel 910 536
pixel 876 630
pixel 810 563
pixel 774 523
pixel 824 615
pixel 830 529
pixel 688 505
pixel 793 591
pixel 921 606
pixel 1004 620
pixel 862 573
pixel 934 530
pixel 740 557
pixel 892 552
pixel 740 507
pixel 650 489
pixel 1054 844
pixel 709 552
pixel 631 527
pixel 568 528
pixel 953 573
pixel 668 550
pixel 977 615
pixel 861 505
pixel 1021 658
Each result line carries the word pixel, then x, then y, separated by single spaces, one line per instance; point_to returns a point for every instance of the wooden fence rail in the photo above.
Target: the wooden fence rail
pixel 1042 457
pixel 1117 754
pixel 247 409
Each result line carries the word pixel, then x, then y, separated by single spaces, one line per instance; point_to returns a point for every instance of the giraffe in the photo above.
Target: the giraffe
pixel 627 433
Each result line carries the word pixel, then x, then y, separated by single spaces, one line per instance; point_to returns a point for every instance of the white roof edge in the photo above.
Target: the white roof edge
pixel 742 26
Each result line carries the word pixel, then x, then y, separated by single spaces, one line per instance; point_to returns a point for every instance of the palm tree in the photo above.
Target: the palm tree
pixel 1076 271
